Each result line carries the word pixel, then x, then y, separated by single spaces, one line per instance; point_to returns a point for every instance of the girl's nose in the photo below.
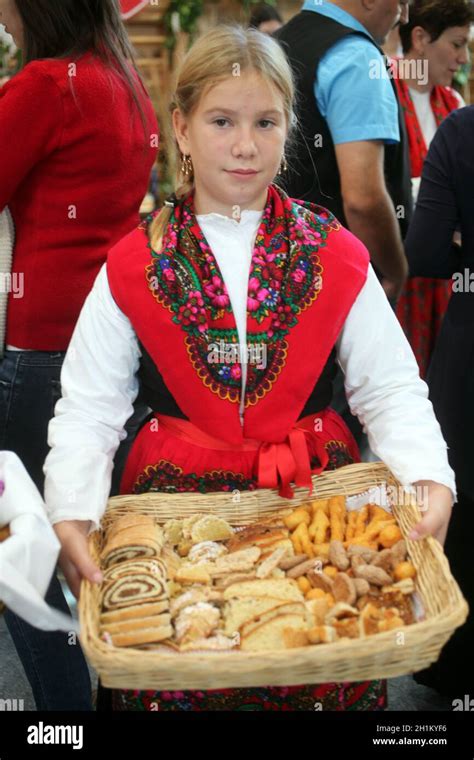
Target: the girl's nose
pixel 244 145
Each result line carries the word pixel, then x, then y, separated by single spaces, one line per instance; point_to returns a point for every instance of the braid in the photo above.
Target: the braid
pixel 159 224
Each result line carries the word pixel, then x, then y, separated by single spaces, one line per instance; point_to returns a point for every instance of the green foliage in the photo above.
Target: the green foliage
pixel 184 14
pixel 10 62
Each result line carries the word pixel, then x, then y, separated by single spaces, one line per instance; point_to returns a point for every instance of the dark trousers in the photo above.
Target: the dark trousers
pixel 29 389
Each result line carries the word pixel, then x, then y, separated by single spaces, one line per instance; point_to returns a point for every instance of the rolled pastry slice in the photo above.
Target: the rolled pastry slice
pixel 147 636
pixel 154 566
pixel 124 626
pixel 113 553
pixel 153 532
pixel 130 535
pixel 145 522
pixel 136 589
pixel 134 612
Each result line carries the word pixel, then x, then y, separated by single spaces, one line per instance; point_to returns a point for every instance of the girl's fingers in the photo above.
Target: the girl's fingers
pixel 73 578
pixel 434 523
pixel 77 551
pixel 75 559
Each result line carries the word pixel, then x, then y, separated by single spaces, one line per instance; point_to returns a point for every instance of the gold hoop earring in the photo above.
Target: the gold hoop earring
pixel 186 165
pixel 283 166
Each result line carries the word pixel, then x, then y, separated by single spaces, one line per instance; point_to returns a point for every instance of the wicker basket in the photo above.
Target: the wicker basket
pixel 378 656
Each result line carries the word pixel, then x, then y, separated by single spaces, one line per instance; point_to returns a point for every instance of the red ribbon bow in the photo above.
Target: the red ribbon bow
pixel 282 463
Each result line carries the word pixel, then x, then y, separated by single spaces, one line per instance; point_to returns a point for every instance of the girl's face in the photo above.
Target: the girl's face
pixel 11 20
pixel 238 125
pixel 446 54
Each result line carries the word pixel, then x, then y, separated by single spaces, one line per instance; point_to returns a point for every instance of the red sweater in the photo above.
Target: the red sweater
pixel 74 169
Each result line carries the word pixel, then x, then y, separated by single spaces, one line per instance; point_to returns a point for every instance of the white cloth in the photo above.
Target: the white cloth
pixel 99 386
pixel 424 113
pixel 427 122
pixel 28 557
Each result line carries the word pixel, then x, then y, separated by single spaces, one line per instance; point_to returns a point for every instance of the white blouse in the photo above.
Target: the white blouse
pixel 425 115
pixel 427 122
pixel 234 262
pixel 99 384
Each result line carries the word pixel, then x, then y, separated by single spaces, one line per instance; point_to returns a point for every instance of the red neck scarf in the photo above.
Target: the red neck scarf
pixel 443 102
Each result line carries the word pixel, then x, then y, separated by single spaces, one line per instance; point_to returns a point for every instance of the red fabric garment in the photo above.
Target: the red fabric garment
pixel 176 456
pixel 424 301
pixel 75 167
pixel 305 274
pixel 443 102
pixel 129 8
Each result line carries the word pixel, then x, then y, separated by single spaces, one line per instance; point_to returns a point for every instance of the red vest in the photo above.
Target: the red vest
pixel 279 392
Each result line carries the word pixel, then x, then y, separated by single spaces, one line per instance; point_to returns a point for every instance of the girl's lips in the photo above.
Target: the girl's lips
pixel 243 173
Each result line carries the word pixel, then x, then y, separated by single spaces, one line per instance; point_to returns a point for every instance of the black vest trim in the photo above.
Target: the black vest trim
pixel 156 394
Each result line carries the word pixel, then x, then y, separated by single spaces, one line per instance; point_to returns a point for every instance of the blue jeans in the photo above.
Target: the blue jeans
pixel 29 389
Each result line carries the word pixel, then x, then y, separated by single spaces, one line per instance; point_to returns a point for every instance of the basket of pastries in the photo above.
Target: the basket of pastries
pixel 217 590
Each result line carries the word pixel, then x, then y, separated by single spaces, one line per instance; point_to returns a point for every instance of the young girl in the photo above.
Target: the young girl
pixel 232 261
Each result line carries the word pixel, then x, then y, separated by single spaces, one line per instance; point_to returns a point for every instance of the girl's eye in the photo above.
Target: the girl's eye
pixel 262 121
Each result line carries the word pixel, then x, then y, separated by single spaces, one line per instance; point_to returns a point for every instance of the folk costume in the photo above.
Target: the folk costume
pixel 192 312
pixel 300 285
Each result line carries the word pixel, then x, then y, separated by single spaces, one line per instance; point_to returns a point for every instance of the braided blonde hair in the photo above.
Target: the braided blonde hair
pixel 215 52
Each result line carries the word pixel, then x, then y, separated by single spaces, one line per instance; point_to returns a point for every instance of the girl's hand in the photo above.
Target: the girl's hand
pixel 437 507
pixel 75 560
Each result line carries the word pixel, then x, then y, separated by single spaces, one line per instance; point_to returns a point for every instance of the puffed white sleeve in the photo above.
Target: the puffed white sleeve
pixel 385 391
pixel 99 385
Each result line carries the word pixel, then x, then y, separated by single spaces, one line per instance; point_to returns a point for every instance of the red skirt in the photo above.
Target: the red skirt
pixel 420 311
pixel 172 455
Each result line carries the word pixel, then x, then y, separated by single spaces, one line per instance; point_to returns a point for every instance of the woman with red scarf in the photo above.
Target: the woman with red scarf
pixel 233 304
pixel 435 45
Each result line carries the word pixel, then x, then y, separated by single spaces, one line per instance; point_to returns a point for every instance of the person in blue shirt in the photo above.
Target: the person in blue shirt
pixel 351 154
pixel 359 167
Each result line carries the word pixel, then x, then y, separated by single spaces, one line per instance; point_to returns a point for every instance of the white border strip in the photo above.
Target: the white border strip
pixel 134 10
